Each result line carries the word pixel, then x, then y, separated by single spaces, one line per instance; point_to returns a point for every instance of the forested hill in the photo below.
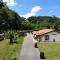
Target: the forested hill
pixel 41 22
pixel 9 19
pixel 39 19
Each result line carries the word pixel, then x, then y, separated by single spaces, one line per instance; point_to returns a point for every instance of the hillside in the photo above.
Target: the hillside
pixel 10 19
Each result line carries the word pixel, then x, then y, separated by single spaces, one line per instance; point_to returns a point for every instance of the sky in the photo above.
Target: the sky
pixel 27 8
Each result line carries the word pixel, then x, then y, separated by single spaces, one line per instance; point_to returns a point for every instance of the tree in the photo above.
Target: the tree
pixel 57 26
pixel 9 19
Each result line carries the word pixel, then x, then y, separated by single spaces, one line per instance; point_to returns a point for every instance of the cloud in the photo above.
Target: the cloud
pixel 36 9
pixel 10 2
pixel 33 12
pixel 51 11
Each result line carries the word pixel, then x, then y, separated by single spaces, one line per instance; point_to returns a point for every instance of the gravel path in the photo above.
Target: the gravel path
pixel 29 52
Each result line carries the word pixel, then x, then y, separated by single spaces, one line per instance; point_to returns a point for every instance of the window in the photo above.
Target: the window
pixel 53 34
pixel 46 37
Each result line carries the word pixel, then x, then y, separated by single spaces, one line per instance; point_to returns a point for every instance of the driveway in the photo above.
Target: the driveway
pixel 28 51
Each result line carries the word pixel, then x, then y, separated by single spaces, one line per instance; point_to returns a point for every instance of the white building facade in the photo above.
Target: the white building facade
pixel 51 36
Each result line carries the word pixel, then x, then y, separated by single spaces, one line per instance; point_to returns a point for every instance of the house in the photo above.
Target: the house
pixel 46 35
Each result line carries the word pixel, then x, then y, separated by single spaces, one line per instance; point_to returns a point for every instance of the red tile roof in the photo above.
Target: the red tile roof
pixel 43 31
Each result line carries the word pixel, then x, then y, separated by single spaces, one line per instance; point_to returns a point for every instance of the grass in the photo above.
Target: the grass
pixel 9 51
pixel 51 50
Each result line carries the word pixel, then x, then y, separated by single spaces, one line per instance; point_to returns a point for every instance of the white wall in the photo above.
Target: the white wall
pixel 51 36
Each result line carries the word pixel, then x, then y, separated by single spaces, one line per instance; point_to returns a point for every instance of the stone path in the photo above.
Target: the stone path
pixel 29 52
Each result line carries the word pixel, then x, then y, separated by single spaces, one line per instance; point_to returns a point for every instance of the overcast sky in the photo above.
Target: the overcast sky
pixel 27 8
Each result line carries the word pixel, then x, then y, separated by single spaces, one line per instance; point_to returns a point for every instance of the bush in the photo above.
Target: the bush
pixel 1 37
pixel 12 35
pixel 21 33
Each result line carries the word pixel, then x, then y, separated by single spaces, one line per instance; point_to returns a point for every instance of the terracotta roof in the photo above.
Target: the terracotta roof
pixel 34 32
pixel 43 31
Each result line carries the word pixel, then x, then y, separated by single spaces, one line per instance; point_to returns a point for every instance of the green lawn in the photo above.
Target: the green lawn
pixel 9 51
pixel 51 50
